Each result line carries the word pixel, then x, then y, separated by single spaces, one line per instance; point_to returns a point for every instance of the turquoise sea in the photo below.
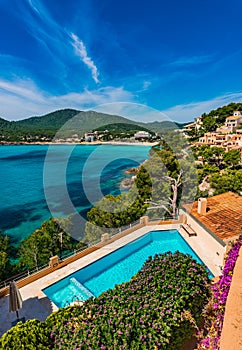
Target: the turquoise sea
pixel 40 181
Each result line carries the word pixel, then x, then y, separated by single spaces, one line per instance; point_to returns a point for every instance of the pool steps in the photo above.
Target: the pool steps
pixel 85 292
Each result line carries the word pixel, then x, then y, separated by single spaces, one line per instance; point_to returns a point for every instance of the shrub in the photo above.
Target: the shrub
pixel 30 335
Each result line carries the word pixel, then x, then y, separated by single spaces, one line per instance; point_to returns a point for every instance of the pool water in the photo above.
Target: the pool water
pixel 116 267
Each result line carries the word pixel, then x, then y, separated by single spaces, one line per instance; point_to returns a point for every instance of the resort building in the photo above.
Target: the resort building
pixel 142 135
pixel 226 141
pixel 90 136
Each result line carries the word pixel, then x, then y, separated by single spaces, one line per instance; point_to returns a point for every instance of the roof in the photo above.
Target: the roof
pixel 223 217
pixel 189 125
pixel 234 117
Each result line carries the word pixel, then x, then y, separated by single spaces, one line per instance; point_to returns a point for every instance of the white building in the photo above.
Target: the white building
pixel 142 135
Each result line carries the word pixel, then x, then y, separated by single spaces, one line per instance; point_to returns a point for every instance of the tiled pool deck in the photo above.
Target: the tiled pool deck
pixel 37 305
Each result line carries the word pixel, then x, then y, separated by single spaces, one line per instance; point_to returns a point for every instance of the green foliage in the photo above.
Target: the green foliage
pixel 121 127
pixel 154 179
pixel 111 212
pixel 56 319
pixel 145 313
pixel 5 267
pixel 216 164
pixel 232 157
pixel 45 242
pixel 206 170
pixel 209 123
pixel 230 180
pixel 211 155
pixel 174 142
pixel 30 335
pixel 217 117
pixel 93 232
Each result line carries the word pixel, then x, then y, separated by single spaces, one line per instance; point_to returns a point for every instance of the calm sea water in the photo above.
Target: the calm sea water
pixel 38 182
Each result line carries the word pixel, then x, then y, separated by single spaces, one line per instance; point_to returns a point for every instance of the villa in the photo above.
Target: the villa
pixel 196 125
pixel 234 122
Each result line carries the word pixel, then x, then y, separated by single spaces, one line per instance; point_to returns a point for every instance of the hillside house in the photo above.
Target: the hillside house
pixel 234 122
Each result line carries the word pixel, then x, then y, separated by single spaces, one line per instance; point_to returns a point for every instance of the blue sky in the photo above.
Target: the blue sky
pixel 180 57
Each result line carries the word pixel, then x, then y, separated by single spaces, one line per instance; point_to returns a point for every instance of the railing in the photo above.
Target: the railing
pixel 35 269
pixel 23 274
pixel 163 218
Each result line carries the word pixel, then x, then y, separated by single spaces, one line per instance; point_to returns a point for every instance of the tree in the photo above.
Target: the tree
pixel 49 240
pixel 5 266
pixel 117 211
pixel 170 205
pixel 166 181
pixel 230 180
pixel 211 155
pixel 232 157
pixel 209 123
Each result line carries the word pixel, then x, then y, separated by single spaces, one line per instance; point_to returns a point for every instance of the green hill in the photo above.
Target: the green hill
pixel 69 121
pixel 122 127
pixel 53 120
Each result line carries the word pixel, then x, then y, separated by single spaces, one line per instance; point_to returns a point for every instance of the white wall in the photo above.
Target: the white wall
pixel 205 244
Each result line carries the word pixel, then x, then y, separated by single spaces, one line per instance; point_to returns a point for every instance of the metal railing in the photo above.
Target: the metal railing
pixel 163 218
pixel 36 269
pixel 23 274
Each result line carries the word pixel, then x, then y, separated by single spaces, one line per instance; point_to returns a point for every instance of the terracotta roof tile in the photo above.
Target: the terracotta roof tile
pixel 223 216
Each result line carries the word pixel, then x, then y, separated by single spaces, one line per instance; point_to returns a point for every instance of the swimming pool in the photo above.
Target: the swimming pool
pixel 116 267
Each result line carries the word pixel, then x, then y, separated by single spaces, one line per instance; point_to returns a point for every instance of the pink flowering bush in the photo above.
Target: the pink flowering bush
pixel 144 313
pixel 215 309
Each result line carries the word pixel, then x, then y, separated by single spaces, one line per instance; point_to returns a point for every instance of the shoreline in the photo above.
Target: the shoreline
pixel 94 143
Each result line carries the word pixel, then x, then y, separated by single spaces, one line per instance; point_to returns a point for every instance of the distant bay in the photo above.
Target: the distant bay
pixel 23 205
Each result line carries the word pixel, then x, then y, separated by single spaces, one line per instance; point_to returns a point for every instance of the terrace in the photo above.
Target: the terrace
pixel 209 244
pixel 37 305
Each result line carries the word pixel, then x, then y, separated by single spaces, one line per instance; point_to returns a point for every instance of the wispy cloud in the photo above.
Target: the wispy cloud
pixel 81 51
pixel 134 111
pixel 55 45
pixel 187 112
pixel 146 84
pixel 190 60
pixel 33 6
pixel 22 98
pixel 50 35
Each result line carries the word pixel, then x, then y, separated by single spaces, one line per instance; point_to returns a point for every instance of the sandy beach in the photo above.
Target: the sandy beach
pixel 117 143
